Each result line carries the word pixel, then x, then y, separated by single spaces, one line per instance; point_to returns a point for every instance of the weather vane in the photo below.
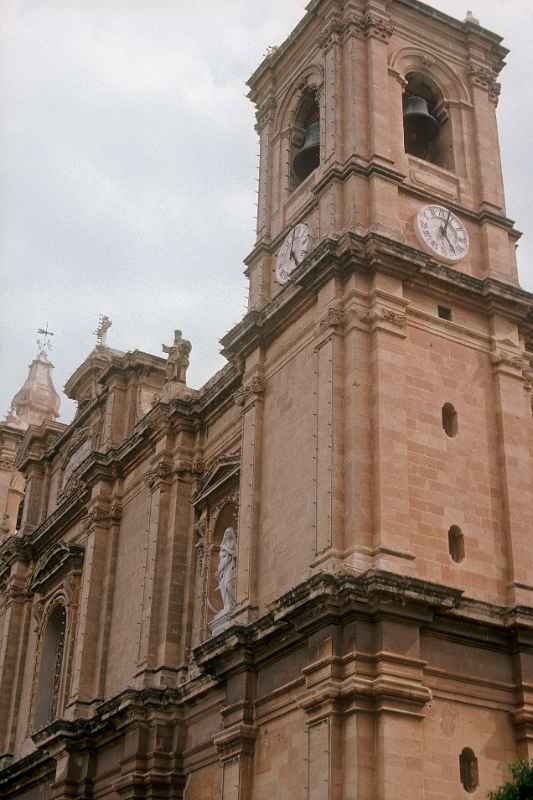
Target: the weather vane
pixel 104 323
pixel 44 341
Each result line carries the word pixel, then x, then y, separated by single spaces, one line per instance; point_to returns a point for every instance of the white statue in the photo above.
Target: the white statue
pixel 227 571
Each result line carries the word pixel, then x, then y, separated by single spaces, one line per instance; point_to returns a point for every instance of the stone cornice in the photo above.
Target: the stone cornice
pixel 321 600
pixel 37 442
pixel 356 166
pixel 371 252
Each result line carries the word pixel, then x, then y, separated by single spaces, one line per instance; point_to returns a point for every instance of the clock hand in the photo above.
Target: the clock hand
pixel 291 254
pixel 445 226
pixel 448 240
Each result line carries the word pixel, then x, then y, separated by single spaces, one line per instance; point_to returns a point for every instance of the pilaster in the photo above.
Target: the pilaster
pixel 90 644
pixel 14 627
pixel 387 323
pixel 236 747
pixel 513 416
pixel 250 399
pixel 328 444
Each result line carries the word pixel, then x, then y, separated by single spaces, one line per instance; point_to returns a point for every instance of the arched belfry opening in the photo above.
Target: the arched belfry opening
pixel 305 138
pixel 427 132
pixel 50 667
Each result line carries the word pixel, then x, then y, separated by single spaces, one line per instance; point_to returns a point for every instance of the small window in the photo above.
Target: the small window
pixel 468 769
pixel 445 312
pixel 305 138
pixel 456 544
pixel 449 420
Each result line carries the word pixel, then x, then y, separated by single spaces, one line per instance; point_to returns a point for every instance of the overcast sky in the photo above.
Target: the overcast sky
pixel 128 165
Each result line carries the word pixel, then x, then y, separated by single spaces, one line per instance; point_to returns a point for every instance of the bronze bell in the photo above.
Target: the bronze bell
pixel 420 126
pixel 308 156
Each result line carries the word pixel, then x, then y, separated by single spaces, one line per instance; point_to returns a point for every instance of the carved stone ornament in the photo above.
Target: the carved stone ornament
pixel 331 34
pixel 372 25
pixel 265 112
pixel 503 358
pixel 333 318
pixel 253 389
pixel 55 563
pixel 485 78
pixel 161 472
pixel 381 314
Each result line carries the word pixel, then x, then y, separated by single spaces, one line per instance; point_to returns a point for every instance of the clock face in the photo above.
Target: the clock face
pixel 292 252
pixel 442 233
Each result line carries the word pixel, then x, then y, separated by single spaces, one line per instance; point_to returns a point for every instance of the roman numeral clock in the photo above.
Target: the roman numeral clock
pixel 442 233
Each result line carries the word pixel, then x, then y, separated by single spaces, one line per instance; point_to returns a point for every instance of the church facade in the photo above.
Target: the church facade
pixel 312 577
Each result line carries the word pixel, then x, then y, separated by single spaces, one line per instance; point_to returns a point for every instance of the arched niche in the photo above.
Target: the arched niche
pixel 435 81
pixel 302 104
pixel 225 517
pixel 50 666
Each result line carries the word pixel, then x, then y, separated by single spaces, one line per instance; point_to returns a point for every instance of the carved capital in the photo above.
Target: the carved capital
pixel 160 473
pixel 381 314
pixel 376 27
pixel 265 113
pixel 506 359
pixel 332 319
pixel 485 78
pixel 235 742
pixel 98 516
pixel 331 35
pixel 250 391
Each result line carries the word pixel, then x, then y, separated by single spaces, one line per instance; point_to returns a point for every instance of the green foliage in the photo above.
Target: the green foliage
pixel 520 787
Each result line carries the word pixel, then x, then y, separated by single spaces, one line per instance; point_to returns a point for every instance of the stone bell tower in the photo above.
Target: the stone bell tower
pixel 345 78
pixel 391 436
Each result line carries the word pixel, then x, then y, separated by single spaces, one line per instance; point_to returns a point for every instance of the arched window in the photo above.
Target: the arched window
pixel 50 667
pixel 456 544
pixel 305 138
pixel 427 131
pixel 468 770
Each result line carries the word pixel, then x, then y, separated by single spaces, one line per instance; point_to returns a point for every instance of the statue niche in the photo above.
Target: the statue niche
pixel 223 570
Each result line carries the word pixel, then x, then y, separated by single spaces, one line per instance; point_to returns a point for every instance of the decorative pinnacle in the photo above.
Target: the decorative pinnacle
pixel 471 18
pixel 104 323
pixel 44 342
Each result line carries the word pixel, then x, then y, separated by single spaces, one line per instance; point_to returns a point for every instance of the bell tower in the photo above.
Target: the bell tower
pixel 368 112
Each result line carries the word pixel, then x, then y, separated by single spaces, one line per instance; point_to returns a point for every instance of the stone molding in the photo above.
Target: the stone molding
pixel 485 78
pixel 234 742
pixel 60 560
pixel 373 26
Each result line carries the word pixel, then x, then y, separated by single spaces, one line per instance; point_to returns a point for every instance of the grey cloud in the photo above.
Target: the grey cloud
pixel 128 167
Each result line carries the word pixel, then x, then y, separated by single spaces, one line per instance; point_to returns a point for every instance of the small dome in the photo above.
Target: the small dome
pixel 37 400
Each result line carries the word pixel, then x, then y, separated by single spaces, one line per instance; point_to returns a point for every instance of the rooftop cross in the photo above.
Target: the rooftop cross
pixel 104 323
pixel 44 343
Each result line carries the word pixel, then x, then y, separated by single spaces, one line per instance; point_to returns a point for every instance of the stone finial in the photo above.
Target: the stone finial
pixel 471 18
pixel 178 359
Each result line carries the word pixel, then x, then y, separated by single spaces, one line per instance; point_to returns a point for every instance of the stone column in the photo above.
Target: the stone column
pixel 400 701
pixel 328 455
pixel 513 417
pixel 387 324
pixel 322 705
pixel 14 631
pixel 250 398
pixel 236 746
pixel 33 499
pixel 86 682
pixel 498 253
pixel 331 141
pixel 377 27
pixel 159 480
